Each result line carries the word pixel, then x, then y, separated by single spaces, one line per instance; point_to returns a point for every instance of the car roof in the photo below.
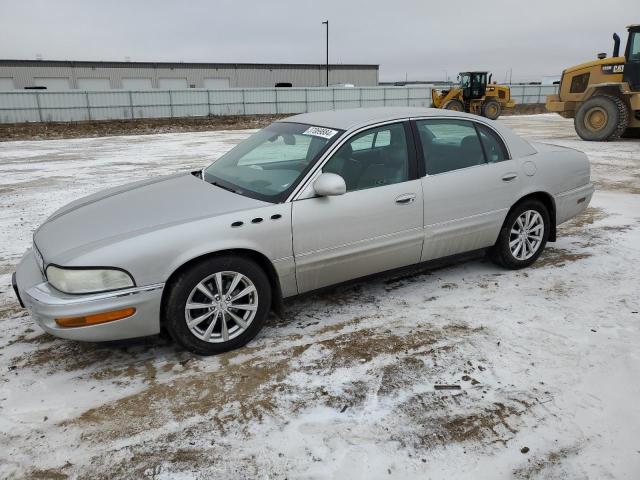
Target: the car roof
pixel 357 117
pixel 352 119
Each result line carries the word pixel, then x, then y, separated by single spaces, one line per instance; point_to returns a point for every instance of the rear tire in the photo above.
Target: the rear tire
pixel 523 235
pixel 233 293
pixel 455 105
pixel 491 109
pixel 602 118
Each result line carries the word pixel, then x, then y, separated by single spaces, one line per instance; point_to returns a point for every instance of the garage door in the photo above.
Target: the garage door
pixel 136 83
pixel 52 83
pixel 216 83
pixel 94 84
pixel 172 83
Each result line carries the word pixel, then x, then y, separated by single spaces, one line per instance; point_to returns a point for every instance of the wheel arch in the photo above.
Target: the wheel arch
pixel 612 89
pixel 549 202
pixel 259 258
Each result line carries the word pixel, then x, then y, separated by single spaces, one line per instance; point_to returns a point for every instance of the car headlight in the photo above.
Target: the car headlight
pixel 89 280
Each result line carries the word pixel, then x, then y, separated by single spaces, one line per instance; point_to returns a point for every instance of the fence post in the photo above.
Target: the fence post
pixel 131 104
pixel 171 103
pixel 360 97
pixel 277 109
pixel 244 104
pixel 384 96
pixel 539 92
pixel 333 97
pixel 39 108
pixel 209 102
pixel 306 101
pixel 86 96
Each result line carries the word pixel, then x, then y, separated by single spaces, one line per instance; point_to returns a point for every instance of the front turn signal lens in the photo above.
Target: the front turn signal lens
pixel 95 318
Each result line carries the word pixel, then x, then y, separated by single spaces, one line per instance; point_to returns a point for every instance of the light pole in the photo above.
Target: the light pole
pixel 327 24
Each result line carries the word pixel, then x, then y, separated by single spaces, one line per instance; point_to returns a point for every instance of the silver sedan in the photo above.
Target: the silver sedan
pixel 310 201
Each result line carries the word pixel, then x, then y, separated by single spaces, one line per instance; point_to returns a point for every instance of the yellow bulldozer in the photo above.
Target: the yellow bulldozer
pixel 603 96
pixel 474 94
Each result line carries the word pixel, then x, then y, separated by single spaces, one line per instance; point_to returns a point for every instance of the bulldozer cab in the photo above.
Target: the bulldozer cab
pixel 632 58
pixel 473 84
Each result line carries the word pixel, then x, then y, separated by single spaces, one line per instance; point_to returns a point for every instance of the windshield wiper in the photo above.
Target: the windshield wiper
pixel 225 187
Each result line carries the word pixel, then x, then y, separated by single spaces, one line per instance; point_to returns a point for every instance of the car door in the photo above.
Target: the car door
pixel 469 186
pixel 376 225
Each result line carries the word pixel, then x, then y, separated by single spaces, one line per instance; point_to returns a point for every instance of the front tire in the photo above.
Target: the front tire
pixel 523 235
pixel 601 118
pixel 455 105
pixel 217 305
pixel 491 109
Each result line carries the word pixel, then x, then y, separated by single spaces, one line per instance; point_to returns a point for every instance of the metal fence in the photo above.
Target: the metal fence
pixel 65 106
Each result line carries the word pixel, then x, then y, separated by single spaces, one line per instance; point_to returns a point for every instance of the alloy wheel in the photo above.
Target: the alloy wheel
pixel 526 235
pixel 221 307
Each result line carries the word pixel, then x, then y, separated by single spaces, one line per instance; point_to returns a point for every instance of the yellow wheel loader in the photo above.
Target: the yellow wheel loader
pixel 603 96
pixel 474 94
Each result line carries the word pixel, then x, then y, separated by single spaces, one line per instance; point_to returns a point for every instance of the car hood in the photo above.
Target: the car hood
pixel 133 209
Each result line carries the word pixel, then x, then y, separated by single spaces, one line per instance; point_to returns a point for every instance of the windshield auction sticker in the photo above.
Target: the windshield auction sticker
pixel 320 132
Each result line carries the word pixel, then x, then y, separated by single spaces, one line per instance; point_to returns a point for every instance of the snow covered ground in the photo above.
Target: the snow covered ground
pixel 547 358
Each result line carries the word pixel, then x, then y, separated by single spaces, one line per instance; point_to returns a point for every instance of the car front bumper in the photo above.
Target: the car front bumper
pixel 46 304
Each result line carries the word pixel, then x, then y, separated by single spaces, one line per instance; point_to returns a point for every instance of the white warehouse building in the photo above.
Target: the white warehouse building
pixel 87 75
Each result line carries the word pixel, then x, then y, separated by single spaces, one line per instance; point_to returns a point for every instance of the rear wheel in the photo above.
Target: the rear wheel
pixel 602 118
pixel 455 105
pixel 217 305
pixel 523 235
pixel 491 109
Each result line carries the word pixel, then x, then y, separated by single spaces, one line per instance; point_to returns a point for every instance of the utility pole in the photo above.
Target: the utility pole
pixel 327 24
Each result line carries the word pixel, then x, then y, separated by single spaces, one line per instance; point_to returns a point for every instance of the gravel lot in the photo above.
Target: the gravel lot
pixel 343 385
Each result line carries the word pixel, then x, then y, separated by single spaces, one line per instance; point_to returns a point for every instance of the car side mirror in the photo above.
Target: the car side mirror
pixel 329 184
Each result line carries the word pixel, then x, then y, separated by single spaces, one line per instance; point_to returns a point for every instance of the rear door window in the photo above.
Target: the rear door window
pixel 449 145
pixel 494 148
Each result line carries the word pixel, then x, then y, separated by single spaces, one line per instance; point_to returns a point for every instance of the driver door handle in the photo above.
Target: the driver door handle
pixel 509 176
pixel 406 198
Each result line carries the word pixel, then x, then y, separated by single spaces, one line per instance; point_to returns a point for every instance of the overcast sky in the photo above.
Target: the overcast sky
pixel 418 39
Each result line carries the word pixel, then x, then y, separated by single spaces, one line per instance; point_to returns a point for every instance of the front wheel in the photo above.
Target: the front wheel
pixel 523 236
pixel 455 105
pixel 217 305
pixel 601 118
pixel 491 109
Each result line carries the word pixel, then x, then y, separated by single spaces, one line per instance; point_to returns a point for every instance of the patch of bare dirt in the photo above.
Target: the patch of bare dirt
pixel 106 128
pixel 525 109
pixel 481 423
pixel 578 225
pixel 9 310
pixel 546 465
pixel 629 186
pixel 237 393
pixel 558 257
pixel 48 474
pixel 116 361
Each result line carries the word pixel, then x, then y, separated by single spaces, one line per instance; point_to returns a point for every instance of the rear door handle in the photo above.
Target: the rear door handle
pixel 509 176
pixel 406 198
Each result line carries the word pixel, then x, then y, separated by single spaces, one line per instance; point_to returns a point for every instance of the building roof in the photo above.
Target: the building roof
pixel 191 65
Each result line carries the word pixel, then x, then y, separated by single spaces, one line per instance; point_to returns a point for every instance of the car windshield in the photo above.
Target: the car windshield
pixel 269 163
